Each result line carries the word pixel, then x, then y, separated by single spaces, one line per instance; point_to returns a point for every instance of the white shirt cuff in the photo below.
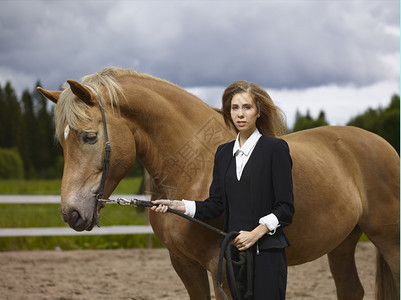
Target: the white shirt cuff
pixel 190 207
pixel 271 222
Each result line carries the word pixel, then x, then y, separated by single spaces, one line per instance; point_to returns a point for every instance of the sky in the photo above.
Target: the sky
pixel 338 56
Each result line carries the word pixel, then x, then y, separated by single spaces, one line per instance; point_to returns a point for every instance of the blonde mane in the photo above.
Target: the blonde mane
pixel 72 111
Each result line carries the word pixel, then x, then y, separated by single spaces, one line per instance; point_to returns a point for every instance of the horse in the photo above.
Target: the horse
pixel 346 179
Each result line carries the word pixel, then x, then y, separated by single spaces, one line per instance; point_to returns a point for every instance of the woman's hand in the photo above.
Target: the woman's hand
pixel 165 204
pixel 246 239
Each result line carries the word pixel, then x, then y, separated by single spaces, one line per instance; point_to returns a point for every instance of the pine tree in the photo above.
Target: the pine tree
pixel 30 149
pixel 47 155
pixel 307 122
pixel 3 124
pixel 11 118
pixel 382 121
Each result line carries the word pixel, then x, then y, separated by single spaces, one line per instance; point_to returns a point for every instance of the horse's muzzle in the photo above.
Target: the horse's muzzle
pixel 76 221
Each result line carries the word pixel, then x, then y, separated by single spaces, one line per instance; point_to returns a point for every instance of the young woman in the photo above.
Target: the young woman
pixel 252 186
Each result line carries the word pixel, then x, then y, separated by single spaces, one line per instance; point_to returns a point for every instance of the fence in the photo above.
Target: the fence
pixel 64 231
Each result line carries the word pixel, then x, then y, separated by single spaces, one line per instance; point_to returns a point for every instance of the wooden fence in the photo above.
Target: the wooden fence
pixel 63 231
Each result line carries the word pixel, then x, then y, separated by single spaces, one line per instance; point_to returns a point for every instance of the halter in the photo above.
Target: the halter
pixel 106 159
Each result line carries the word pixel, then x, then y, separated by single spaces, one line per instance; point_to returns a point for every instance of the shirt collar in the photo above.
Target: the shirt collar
pixel 249 144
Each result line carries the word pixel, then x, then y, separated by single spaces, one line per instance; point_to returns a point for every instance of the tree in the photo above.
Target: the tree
pixel 46 155
pixel 307 122
pixel 29 149
pixel 382 121
pixel 3 124
pixel 11 118
pixel 11 166
pixel 26 126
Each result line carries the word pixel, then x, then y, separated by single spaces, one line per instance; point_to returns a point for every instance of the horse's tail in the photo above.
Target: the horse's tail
pixel 386 287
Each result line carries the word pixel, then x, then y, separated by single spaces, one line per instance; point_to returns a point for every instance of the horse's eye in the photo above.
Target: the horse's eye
pixel 89 137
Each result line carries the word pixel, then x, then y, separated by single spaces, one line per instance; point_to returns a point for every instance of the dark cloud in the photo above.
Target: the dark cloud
pixel 279 44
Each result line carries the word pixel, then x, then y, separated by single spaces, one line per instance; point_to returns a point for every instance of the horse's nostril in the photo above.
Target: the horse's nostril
pixel 76 219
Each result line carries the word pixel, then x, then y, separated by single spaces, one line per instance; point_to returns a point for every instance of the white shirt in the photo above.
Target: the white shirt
pixel 242 155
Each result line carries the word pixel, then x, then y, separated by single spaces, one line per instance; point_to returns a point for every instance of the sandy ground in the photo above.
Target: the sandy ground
pixel 143 274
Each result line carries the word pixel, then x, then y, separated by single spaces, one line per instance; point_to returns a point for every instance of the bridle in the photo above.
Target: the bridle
pixel 106 159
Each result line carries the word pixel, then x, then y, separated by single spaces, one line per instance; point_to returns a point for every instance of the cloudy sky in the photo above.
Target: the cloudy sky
pixel 333 55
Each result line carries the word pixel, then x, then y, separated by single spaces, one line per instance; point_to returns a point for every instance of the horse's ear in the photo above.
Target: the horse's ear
pixel 81 91
pixel 51 95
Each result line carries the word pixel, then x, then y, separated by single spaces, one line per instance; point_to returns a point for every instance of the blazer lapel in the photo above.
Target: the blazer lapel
pixel 225 159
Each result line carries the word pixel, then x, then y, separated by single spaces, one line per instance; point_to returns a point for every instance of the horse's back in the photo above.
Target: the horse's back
pixel 343 177
pixel 368 159
pixel 355 147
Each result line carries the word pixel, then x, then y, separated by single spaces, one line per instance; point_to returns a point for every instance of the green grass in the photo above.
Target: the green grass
pixel 363 238
pixel 48 215
pixel 30 187
pixel 52 187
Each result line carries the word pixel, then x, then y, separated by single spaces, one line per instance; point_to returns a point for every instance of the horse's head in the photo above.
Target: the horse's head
pixel 80 131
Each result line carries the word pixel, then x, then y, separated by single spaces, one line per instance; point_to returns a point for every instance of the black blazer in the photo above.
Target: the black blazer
pixel 271 187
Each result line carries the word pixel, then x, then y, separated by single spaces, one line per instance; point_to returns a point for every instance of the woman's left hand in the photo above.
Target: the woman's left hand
pixel 246 239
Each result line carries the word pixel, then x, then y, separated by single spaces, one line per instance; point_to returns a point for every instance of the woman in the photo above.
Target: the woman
pixel 252 186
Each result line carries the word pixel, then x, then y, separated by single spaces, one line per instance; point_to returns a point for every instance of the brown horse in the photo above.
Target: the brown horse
pixel 346 180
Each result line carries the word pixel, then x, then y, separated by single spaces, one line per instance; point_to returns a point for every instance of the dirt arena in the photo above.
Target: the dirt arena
pixel 142 274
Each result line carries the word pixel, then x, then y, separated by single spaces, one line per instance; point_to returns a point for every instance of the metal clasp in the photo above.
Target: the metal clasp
pixel 123 201
pixel 105 200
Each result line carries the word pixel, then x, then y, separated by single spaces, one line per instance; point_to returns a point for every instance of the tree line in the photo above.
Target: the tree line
pixel 384 121
pixel 27 135
pixel 28 148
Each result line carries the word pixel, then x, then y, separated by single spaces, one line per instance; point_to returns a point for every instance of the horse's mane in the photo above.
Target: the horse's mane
pixel 71 111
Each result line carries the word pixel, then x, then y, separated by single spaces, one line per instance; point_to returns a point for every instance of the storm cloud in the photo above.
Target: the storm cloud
pixel 281 45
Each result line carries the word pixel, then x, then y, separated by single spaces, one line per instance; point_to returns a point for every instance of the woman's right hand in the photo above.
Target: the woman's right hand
pixel 163 205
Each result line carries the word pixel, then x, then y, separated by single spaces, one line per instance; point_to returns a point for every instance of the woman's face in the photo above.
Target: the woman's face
pixel 244 113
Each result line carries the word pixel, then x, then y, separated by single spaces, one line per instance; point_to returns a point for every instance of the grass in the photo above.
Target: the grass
pixel 48 215
pixel 30 187
pixel 129 185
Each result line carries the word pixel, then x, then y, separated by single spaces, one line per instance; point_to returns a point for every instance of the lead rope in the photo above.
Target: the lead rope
pixel 246 258
pixel 245 263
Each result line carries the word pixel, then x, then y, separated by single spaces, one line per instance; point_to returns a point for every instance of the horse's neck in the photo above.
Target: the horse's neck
pixel 176 137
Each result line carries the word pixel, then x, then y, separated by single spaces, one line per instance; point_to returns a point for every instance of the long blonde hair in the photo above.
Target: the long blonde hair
pixel 272 121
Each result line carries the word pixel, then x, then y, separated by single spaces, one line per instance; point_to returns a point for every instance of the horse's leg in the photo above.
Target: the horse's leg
pixel 381 224
pixel 343 267
pixel 387 243
pixel 193 275
pixel 213 267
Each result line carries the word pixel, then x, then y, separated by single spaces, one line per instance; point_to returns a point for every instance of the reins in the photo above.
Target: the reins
pixel 246 258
